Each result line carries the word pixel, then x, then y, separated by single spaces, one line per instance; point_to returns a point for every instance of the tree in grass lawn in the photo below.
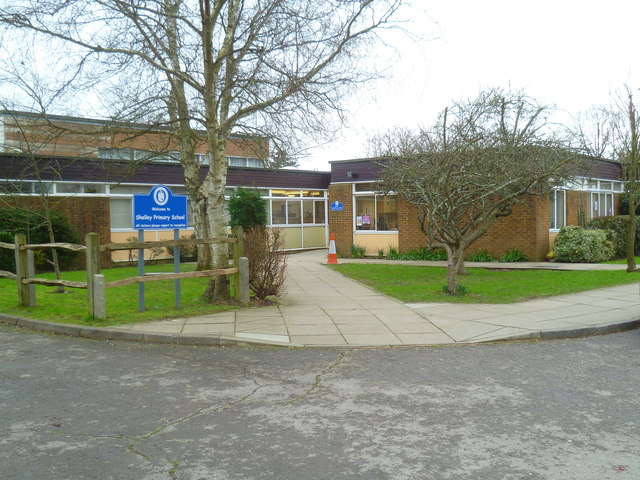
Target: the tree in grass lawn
pixel 206 70
pixel 262 246
pixel 480 159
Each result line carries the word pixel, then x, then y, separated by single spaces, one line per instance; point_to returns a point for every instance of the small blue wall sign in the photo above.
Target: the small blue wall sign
pixel 337 206
pixel 160 210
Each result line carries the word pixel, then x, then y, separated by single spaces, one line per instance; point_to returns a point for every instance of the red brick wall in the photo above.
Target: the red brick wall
pixel 85 214
pixel 341 223
pixel 526 229
pixel 410 236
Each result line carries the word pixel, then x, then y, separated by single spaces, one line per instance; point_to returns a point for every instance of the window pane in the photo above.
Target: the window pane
pixel 279 212
pixel 312 193
pixel 254 163
pixel 609 204
pixel 68 187
pixel 16 187
pixel 121 212
pixel 605 186
pixel 387 213
pixel 552 210
pixel 594 205
pixel 307 211
pixel 365 187
pixel 94 188
pixel 129 189
pixel 285 193
pixel 268 211
pixel 294 216
pixel 365 211
pixel 560 222
pixel 319 208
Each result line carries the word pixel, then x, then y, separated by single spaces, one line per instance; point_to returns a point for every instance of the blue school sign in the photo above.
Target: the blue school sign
pixel 160 210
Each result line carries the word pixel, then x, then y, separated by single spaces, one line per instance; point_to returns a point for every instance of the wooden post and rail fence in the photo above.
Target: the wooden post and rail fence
pixel 96 284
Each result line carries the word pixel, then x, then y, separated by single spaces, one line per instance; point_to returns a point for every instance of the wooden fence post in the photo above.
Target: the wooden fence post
pixel 99 297
pixel 26 295
pixel 93 267
pixel 243 276
pixel 31 273
pixel 238 251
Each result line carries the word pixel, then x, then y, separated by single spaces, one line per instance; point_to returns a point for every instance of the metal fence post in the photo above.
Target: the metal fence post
pixel 238 251
pixel 92 241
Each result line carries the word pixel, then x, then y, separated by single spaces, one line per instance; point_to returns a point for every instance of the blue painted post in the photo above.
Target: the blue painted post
pixel 141 272
pixel 176 266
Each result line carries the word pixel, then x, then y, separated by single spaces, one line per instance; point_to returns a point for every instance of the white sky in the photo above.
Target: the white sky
pixel 567 53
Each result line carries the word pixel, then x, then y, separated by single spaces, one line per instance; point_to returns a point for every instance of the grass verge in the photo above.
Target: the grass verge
pixel 424 284
pixel 122 302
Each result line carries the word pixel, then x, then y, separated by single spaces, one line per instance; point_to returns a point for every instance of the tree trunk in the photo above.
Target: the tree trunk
pixel 631 234
pixel 54 252
pixel 456 263
pixel 215 183
pixel 632 187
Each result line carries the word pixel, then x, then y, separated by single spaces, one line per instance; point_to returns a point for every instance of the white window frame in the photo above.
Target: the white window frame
pixel 554 225
pixel 375 195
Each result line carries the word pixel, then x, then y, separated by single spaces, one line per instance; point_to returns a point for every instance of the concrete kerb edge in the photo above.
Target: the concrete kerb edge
pixel 590 330
pixel 100 333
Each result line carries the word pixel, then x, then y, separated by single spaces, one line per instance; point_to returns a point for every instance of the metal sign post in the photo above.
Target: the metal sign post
pixel 176 267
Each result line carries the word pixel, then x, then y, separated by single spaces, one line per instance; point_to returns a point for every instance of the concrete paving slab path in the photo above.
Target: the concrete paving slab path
pixel 323 307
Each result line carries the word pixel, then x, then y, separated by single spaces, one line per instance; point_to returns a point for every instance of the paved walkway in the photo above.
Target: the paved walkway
pixel 322 307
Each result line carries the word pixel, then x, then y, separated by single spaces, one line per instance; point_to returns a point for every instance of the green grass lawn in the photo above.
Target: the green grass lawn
pixel 424 284
pixel 122 302
pixel 624 260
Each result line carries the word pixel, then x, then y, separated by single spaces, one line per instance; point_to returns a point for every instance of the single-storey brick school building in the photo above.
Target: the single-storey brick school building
pixel 93 177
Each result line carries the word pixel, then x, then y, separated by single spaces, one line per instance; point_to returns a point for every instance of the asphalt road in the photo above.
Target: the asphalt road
pixel 82 409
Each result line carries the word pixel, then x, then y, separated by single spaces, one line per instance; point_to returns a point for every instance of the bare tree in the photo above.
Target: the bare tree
pixel 256 66
pixel 613 132
pixel 480 159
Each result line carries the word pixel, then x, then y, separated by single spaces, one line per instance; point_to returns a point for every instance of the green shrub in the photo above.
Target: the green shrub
pixel 513 255
pixel 33 225
pixel 617 227
pixel 623 207
pixel 481 256
pixel 380 253
pixel 580 245
pixel 247 209
pixel 357 251
pixel 424 253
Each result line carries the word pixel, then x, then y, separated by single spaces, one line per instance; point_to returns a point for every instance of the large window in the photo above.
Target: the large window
pixel 601 204
pixel 374 212
pixel 557 217
pixel 245 162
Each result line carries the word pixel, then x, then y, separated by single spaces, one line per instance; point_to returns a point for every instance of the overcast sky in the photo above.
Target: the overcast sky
pixel 569 53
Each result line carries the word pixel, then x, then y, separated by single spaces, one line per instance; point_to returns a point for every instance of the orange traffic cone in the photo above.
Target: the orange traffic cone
pixel 333 257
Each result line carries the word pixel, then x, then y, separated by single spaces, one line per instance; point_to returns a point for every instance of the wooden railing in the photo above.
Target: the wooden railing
pixel 95 284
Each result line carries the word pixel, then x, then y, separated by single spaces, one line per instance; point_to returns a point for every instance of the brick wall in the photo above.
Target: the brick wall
pixel 341 223
pixel 410 236
pixel 526 229
pixel 85 214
